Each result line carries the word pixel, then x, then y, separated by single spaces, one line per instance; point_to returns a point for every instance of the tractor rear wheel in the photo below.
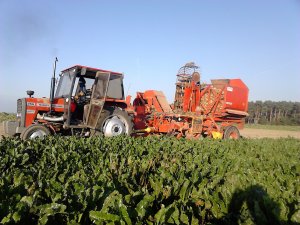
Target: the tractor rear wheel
pixel 35 131
pixel 115 122
pixel 231 132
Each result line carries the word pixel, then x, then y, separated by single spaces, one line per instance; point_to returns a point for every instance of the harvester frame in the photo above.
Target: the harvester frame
pixel 215 110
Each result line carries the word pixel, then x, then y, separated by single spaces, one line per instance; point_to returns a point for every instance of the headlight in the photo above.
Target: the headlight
pixel 19 115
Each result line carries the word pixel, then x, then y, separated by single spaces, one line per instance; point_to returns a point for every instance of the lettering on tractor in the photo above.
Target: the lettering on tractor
pixel 89 101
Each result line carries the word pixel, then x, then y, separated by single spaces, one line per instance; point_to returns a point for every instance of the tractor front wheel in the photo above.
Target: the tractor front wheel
pixel 231 132
pixel 35 131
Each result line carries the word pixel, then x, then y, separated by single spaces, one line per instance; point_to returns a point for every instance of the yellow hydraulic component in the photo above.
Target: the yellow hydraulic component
pixel 147 130
pixel 217 135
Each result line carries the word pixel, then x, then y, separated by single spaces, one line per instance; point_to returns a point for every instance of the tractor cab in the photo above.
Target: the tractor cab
pixel 85 91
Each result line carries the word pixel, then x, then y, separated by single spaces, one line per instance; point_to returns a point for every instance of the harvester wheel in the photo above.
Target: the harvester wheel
pixel 115 122
pixel 231 132
pixel 35 131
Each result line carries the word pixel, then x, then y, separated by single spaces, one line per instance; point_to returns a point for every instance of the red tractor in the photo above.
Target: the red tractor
pixel 87 101
pixel 90 101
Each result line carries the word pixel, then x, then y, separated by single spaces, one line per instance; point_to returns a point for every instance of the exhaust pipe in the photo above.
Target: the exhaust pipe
pixel 51 119
pixel 52 88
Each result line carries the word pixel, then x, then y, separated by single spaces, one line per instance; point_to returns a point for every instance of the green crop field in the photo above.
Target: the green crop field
pixel 153 180
pixel 7 116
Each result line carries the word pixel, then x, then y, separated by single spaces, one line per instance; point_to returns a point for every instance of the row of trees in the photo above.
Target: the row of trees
pixel 275 113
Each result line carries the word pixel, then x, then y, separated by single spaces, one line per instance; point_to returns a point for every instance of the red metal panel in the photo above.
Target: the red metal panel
pixel 157 101
pixel 236 95
pixel 35 105
pixel 186 99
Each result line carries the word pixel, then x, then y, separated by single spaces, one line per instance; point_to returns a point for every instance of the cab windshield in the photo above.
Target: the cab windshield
pixel 65 84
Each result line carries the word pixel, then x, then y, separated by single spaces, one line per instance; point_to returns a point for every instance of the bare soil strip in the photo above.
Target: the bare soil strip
pixel 264 133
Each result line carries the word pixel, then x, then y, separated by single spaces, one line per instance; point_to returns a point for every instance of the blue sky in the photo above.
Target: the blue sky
pixel 257 41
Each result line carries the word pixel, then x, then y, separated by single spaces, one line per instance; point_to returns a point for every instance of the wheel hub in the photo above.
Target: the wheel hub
pixel 37 134
pixel 113 127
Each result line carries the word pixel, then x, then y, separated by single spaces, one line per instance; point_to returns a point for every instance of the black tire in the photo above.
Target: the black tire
pixel 116 114
pixel 231 132
pixel 35 131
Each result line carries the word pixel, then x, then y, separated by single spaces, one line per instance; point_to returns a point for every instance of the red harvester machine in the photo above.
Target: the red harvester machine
pixel 215 110
pixel 89 101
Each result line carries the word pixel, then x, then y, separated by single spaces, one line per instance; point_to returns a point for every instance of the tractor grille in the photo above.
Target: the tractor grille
pixel 21 111
pixel 19 106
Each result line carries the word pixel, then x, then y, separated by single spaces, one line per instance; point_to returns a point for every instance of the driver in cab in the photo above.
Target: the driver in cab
pixel 81 96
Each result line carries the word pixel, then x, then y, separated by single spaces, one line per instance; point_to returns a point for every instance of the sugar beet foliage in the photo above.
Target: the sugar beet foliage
pixel 153 180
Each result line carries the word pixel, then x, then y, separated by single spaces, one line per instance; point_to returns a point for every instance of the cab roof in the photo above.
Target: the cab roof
pixel 91 69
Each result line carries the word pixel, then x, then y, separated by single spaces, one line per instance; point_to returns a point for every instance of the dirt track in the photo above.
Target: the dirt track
pixel 262 133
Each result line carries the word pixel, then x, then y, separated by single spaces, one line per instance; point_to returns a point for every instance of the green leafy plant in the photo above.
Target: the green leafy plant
pixel 153 180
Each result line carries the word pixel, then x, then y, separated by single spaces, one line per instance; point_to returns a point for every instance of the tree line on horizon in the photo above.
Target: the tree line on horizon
pixel 273 113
